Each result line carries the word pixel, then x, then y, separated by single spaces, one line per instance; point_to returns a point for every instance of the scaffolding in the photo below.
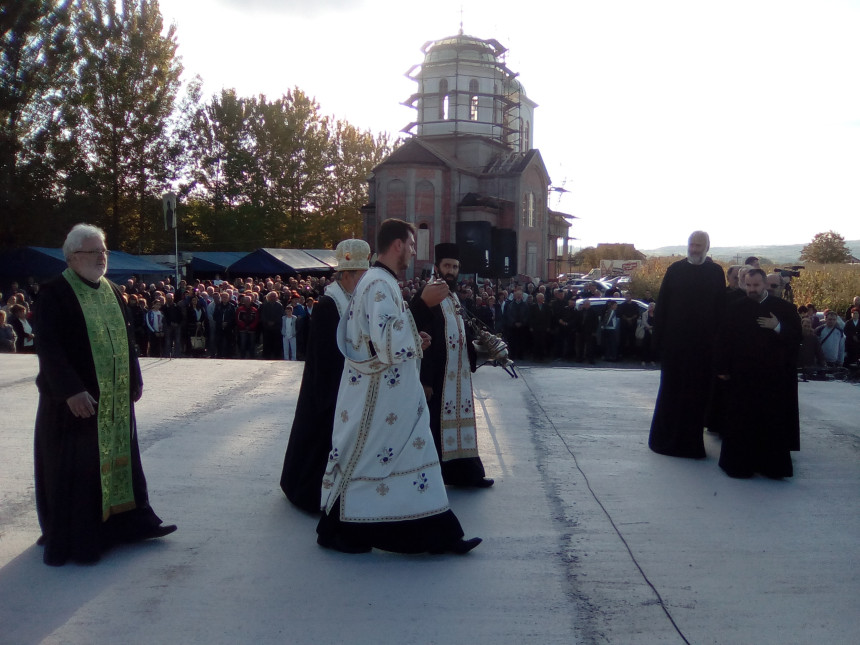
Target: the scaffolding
pixel 454 56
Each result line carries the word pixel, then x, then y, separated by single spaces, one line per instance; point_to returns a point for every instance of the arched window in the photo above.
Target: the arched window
pixel 497 106
pixel 443 99
pixel 528 137
pixel 473 100
pixel 528 215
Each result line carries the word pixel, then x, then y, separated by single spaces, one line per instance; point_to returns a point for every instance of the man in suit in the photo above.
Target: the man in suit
pixel 758 345
pixel 540 320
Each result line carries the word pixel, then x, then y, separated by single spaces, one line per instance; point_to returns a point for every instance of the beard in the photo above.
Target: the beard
pixel 451 280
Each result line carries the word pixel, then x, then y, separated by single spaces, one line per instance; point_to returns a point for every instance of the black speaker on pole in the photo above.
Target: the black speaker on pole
pixel 503 255
pixel 474 240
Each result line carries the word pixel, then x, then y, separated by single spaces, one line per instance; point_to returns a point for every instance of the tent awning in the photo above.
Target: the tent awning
pixel 278 262
pixel 215 261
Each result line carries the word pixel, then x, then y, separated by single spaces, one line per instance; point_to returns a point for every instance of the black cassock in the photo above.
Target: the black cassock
pixel 762 413
pixel 687 316
pixel 458 472
pixel 310 437
pixel 68 484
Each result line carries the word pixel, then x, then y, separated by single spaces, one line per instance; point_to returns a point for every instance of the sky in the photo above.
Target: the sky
pixel 660 117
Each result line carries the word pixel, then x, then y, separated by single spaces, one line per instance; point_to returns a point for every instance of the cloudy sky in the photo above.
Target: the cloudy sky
pixel 740 117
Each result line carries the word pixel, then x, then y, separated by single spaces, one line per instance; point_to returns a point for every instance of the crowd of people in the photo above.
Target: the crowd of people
pixel 269 317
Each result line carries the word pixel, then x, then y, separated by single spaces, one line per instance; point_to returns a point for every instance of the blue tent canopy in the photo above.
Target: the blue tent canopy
pixel 42 263
pixel 214 261
pixel 283 262
pixel 326 256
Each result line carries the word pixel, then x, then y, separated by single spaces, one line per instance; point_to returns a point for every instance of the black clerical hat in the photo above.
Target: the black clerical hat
pixel 447 250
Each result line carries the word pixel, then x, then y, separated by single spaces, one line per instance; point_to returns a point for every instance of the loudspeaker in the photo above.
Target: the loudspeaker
pixel 503 254
pixel 474 240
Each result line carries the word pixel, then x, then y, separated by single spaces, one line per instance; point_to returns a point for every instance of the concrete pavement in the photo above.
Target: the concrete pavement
pixel 588 536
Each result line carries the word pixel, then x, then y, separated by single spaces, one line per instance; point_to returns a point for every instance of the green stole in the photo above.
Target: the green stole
pixel 109 345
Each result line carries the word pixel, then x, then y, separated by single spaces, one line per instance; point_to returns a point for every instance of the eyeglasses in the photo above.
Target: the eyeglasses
pixel 94 253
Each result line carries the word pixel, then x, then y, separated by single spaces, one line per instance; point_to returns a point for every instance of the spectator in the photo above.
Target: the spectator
pixel 587 328
pixel 288 333
pixel 629 314
pixel 609 332
pixel 647 324
pixel 137 314
pixel 172 327
pixel 24 344
pixel 271 315
pixel 155 328
pixel 224 316
pixel 517 318
pixel 810 358
pixel 832 340
pixel 247 322
pixel 540 320
pixel 196 326
pixel 7 335
pixel 852 337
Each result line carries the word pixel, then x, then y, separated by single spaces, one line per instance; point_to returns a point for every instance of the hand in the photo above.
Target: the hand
pixel 724 377
pixel 82 405
pixel 428 392
pixel 768 322
pixel 425 340
pixel 434 293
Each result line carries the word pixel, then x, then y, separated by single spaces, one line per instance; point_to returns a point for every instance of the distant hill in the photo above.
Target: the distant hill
pixel 785 254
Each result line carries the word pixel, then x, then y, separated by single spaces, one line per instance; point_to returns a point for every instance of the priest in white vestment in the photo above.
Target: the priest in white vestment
pixel 383 483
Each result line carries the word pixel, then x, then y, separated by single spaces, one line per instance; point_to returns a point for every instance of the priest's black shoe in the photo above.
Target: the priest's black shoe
pixel 460 547
pixel 484 482
pixel 158 531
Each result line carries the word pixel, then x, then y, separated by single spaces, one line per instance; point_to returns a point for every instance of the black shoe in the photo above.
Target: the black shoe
pixel 485 482
pixel 337 543
pixel 461 546
pixel 157 532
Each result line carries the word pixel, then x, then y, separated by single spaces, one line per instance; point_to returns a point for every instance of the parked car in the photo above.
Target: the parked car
pixel 580 283
pixel 599 304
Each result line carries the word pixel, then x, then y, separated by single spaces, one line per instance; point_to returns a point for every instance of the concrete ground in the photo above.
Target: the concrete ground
pixel 588 536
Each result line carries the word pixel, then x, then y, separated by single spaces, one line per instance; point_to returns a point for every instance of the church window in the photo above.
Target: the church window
pixel 528 215
pixel 473 100
pixel 528 137
pixel 443 99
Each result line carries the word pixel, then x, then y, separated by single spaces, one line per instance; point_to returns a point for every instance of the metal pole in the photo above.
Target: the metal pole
pixel 176 247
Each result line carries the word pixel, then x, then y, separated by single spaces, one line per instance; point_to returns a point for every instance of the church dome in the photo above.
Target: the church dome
pixel 463 47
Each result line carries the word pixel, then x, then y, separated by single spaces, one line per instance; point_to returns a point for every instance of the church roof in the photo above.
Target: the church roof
pixel 421 152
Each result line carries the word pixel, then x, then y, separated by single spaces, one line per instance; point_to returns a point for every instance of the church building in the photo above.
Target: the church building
pixel 469 174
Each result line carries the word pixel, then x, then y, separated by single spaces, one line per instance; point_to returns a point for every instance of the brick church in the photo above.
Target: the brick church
pixel 469 174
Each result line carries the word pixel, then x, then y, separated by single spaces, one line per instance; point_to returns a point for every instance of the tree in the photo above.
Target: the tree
pixel 592 256
pixel 128 80
pixel 36 62
pixel 826 248
pixel 352 156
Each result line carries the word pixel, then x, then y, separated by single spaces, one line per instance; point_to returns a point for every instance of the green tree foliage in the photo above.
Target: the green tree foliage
pixel 35 75
pixel 591 256
pixel 92 131
pixel 128 80
pixel 278 173
pixel 826 248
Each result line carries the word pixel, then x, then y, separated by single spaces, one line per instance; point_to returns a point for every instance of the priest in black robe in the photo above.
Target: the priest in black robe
pixel 310 437
pixel 461 464
pixel 758 344
pixel 90 489
pixel 688 314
